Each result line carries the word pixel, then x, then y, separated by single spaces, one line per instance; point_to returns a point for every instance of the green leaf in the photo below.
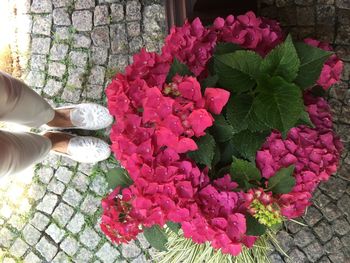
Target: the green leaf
pixel 175 227
pixel 312 60
pixel 283 181
pixel 210 66
pixel 177 68
pixel 282 61
pixel 118 177
pixel 254 228
pixel 224 48
pixel 238 110
pixel 156 236
pixel 247 143
pixel 238 71
pixel 240 113
pixel 255 124
pixel 205 153
pixel 217 156
pixel 276 227
pixel 221 130
pixel 304 119
pixel 279 104
pixel 209 82
pixel 244 172
pixel 227 151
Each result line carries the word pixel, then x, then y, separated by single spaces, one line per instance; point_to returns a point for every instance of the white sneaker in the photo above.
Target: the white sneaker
pixel 88 116
pixel 86 149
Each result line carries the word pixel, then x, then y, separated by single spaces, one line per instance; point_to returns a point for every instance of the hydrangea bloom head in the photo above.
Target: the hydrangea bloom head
pixel 333 67
pixel 315 152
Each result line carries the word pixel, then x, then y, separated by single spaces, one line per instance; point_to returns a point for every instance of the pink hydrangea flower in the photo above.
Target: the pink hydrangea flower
pixel 258 34
pixel 199 121
pixel 315 152
pixel 332 68
pixel 216 99
pixel 190 89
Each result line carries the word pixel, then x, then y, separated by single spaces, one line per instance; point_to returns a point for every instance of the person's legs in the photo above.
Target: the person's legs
pixel 22 105
pixel 20 150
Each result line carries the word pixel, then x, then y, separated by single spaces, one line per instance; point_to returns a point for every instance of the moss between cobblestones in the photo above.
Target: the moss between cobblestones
pixel 111 72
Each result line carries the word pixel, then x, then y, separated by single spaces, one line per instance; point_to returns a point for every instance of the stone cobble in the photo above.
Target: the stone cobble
pixel 325 238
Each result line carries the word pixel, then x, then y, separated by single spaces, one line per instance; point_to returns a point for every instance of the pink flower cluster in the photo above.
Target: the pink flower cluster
pixel 156 123
pixel 118 222
pixel 193 44
pixel 249 31
pixel 154 129
pixel 315 153
pixel 333 67
pixel 220 217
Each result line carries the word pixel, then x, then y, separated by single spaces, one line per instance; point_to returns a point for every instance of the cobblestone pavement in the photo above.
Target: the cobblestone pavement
pixel 76 47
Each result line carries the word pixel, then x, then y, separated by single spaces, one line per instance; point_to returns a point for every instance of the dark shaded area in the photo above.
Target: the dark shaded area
pixel 207 10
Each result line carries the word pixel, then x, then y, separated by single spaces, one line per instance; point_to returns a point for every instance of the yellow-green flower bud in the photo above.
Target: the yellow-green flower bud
pixel 266 215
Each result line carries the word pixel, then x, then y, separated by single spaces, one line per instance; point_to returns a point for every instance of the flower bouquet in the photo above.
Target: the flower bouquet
pixel 220 138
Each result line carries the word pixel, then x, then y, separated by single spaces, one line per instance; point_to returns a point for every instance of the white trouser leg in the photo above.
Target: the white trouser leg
pixel 21 105
pixel 20 150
